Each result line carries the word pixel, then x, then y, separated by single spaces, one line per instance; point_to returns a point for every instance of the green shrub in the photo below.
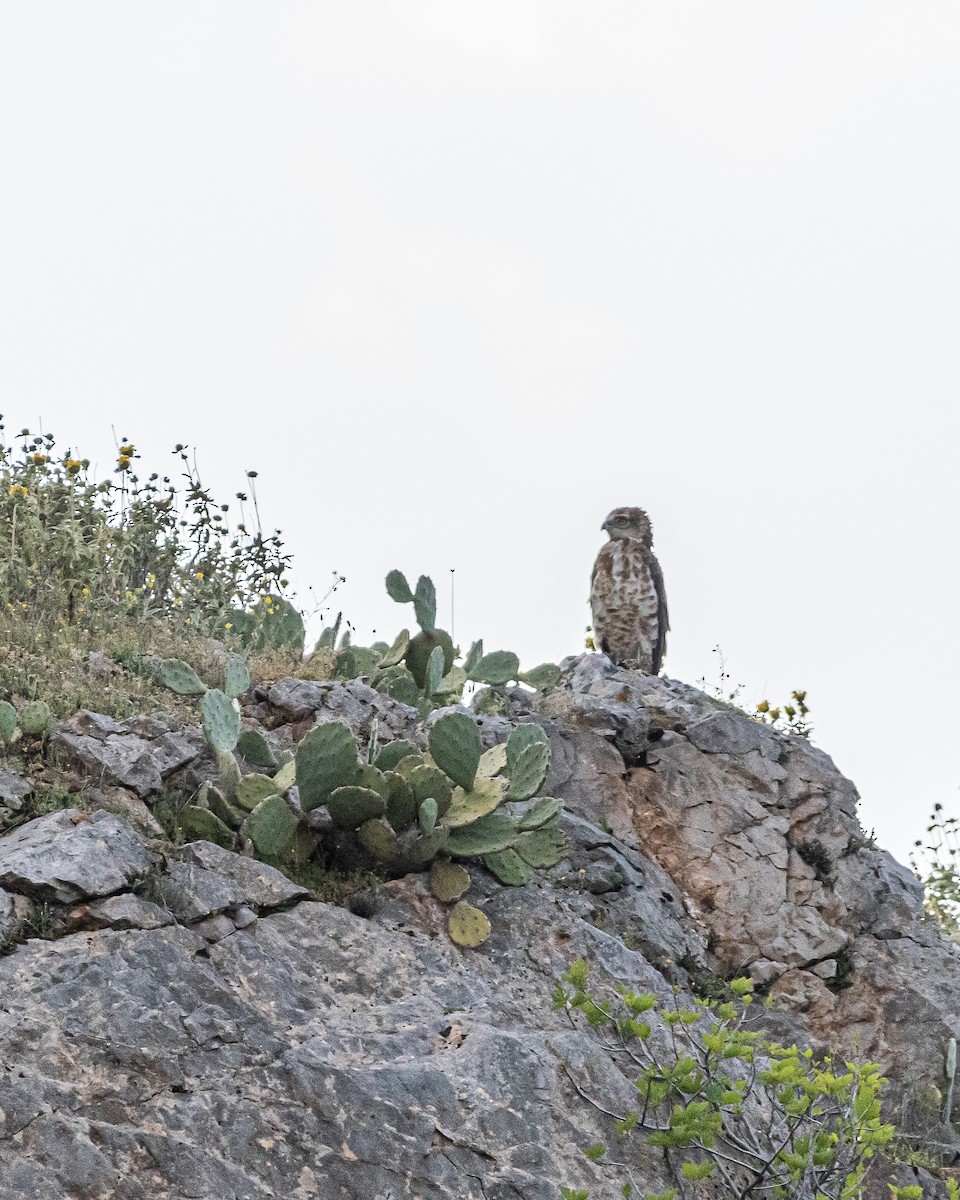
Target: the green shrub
pixel 725 1103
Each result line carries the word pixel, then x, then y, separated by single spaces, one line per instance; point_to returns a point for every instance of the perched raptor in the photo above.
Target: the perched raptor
pixel 627 597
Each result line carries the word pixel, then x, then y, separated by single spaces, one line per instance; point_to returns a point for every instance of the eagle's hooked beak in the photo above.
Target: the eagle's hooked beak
pixel 606 526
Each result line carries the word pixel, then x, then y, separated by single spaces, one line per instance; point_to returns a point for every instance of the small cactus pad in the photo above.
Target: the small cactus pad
pixel 541 847
pixel 542 810
pixel 326 759
pixel 286 777
pixel 508 867
pixel 452 684
pixel 34 719
pixel 354 661
pixel 435 671
pixel 271 827
pixel 417 853
pixel 547 675
pixel 397 587
pixel 500 666
pixel 466 807
pixel 474 654
pixel 428 816
pixel 215 800
pixel 431 781
pixel 399 684
pixel 419 651
pixel 486 836
pixel 425 604
pixel 492 761
pixel 236 676
pixel 229 774
pixel 401 802
pixel 255 748
pixel 201 825
pixel 448 881
pixel 456 747
pixel 396 653
pixel 371 777
pixel 252 789
pixel 350 806
pixel 529 770
pixel 521 737
pixel 378 839
pixel 181 678
pixel 407 765
pixel 468 926
pixel 8 721
pixel 392 752
pixel 221 721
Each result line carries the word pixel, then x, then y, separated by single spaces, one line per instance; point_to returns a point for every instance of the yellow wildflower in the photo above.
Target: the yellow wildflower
pixel 73 465
pixel 127 450
pixel 268 600
pixel 85 591
pixel 39 459
pixel 198 574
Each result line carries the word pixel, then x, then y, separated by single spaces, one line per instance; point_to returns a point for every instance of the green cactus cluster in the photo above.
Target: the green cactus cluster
pixel 404 808
pixel 33 720
pixel 421 669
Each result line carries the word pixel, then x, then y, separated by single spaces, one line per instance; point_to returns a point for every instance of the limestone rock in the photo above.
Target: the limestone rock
pixel 67 856
pixel 137 754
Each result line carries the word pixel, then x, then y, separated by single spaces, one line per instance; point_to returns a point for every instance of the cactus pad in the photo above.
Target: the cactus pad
pixel 201 825
pixel 326 759
pixel 547 675
pixel 431 781
pixel 541 847
pixel 8 721
pixel 236 676
pixel 521 737
pixel 350 806
pixel 401 802
pixel 529 770
pixel 435 671
pixel 397 587
pixel 456 748
pixel 448 881
pixel 181 678
pixel 215 800
pixel 492 761
pixel 35 719
pixel 379 840
pixel 271 827
pixel 398 683
pixel 466 807
pixel 419 651
pixel 500 666
pixel 221 721
pixel 508 867
pixel 428 816
pixel 396 652
pixel 425 604
pixel 255 748
pixel 417 853
pixel 375 780
pixel 474 654
pixel 485 836
pixel 252 789
pixel 468 926
pixel 392 752
pixel 542 810
pixel 229 774
pixel 286 777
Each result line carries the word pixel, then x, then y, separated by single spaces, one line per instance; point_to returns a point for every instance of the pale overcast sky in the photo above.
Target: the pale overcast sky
pixel 458 278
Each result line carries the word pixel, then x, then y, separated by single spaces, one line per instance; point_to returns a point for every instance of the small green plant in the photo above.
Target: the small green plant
pixel 939 870
pixel 725 1103
pixel 421 670
pixel 791 718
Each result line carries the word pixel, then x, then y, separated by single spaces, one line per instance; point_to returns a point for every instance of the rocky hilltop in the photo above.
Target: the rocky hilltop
pixel 192 1023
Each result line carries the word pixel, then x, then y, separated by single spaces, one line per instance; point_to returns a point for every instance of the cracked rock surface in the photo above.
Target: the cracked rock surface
pixel 197 1026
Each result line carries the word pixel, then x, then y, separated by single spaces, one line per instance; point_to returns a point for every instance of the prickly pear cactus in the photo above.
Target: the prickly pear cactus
pixel 236 676
pixel 456 748
pixel 255 748
pixel 181 678
pixel 221 721
pixel 271 827
pixel 8 721
pixel 351 806
pixel 468 926
pixel 326 759
pixel 448 881
pixel 201 825
pixel 35 719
